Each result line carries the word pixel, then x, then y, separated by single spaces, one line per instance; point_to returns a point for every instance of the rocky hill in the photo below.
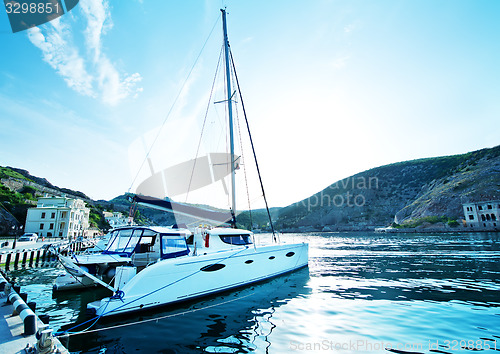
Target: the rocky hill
pixel 400 193
pixel 403 193
pixel 19 190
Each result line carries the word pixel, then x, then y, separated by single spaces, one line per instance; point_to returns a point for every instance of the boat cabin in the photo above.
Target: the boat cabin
pixel 145 245
pixel 221 239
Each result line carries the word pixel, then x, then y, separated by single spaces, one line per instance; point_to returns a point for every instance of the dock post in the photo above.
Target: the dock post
pixel 7 261
pixel 37 257
pixel 32 255
pixel 26 314
pixel 25 256
pixel 16 261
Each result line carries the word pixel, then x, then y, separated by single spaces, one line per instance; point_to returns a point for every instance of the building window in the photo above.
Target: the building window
pixel 483 218
pixel 471 217
pixel 51 226
pixel 493 217
pixel 41 226
pixel 489 206
pixel 488 217
pixel 480 207
pixel 52 215
pixel 43 215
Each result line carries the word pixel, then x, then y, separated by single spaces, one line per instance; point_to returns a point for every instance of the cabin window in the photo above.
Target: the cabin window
pixel 243 239
pixel 120 240
pixel 147 242
pixel 173 245
pixel 290 254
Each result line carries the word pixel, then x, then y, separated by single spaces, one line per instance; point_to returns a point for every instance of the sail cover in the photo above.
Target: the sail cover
pixel 220 217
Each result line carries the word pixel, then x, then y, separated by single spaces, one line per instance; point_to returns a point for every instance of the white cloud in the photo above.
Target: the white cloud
pixel 95 76
pixel 113 88
pixel 99 21
pixel 62 56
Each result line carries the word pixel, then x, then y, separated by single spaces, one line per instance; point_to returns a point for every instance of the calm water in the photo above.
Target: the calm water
pixel 362 293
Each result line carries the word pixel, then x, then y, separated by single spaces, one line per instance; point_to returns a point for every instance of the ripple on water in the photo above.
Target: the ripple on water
pixel 362 293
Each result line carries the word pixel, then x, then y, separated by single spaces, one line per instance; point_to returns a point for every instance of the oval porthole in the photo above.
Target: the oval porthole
pixel 289 254
pixel 212 267
pixel 249 261
pixel 272 257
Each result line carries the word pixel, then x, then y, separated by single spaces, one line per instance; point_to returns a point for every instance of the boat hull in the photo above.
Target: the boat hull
pixel 176 280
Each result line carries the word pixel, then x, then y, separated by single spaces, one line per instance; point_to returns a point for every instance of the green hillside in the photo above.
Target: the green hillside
pixel 403 192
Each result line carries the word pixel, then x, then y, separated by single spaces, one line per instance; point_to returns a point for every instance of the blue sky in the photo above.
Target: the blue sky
pixel 332 88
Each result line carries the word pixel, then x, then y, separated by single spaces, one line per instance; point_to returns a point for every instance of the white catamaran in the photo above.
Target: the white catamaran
pixel 155 266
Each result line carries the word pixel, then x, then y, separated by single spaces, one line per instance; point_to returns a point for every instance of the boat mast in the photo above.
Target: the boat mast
pixel 230 111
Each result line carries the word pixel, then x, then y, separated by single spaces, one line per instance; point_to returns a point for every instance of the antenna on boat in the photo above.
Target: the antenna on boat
pixel 230 111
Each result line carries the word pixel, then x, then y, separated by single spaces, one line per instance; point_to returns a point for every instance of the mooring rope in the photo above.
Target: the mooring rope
pixel 96 318
pixel 158 318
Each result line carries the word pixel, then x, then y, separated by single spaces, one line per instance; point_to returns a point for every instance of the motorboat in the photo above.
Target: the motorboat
pixel 124 246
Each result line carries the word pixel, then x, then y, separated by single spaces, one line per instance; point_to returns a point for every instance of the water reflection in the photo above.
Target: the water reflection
pixel 227 323
pixel 380 292
pixel 408 268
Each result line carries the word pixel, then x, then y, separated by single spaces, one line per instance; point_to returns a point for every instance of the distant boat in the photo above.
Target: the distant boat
pixel 155 266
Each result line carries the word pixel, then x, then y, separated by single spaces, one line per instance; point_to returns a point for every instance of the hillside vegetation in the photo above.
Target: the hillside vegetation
pixel 19 191
pixel 402 193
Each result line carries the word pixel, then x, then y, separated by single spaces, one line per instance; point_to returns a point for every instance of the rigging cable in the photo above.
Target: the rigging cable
pixel 203 126
pixel 253 148
pixel 244 166
pixel 173 105
pixel 96 318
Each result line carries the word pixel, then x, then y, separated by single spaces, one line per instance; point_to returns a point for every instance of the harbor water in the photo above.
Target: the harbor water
pixel 362 293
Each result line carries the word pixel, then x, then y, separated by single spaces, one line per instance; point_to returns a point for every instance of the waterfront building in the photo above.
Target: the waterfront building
pixel 482 215
pixel 117 219
pixel 58 217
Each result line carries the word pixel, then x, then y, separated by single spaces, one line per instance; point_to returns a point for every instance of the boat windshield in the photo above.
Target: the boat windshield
pixel 243 239
pixel 173 245
pixel 124 241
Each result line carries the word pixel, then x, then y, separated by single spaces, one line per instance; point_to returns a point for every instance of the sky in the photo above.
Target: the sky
pixel 331 88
